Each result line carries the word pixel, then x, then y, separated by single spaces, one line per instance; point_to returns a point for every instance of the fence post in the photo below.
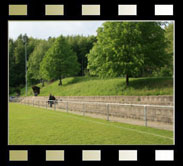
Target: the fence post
pixel 107 107
pixel 67 106
pixel 46 104
pixel 54 105
pixel 33 102
pixel 145 115
pixel 83 109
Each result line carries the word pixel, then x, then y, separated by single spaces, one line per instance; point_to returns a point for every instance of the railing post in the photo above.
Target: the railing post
pixel 54 105
pixel 145 115
pixel 107 107
pixel 67 106
pixel 83 109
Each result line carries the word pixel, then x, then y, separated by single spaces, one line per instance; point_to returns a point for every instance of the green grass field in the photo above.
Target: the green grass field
pixel 93 86
pixel 37 126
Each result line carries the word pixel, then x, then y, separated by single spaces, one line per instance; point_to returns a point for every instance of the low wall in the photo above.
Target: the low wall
pixel 163 100
pixel 157 100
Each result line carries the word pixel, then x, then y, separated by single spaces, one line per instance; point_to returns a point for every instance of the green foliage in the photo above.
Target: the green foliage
pixel 36 58
pixel 59 62
pixel 27 127
pixel 127 48
pixel 81 45
pixel 165 71
pixel 116 52
pixel 12 79
pixel 154 46
pixel 17 60
pixel 167 68
pixel 169 36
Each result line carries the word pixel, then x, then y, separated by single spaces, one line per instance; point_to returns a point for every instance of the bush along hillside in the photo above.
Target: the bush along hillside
pixel 94 86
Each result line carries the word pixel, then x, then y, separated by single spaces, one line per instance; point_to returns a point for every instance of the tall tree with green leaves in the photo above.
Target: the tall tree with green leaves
pixel 169 36
pixel 17 59
pixel 60 61
pixel 167 69
pixel 127 49
pixel 154 46
pixel 12 79
pixel 117 51
pixel 35 60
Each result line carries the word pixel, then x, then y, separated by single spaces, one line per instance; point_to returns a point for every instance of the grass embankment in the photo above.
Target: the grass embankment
pixel 92 86
pixel 38 126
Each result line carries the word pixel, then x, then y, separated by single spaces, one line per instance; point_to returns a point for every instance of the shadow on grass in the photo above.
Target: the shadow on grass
pixel 74 80
pixel 151 83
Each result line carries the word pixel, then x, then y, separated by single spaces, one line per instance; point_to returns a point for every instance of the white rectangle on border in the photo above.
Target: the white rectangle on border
pixel 163 10
pixel 164 155
pixel 88 10
pixel 127 10
pixel 91 155
pixel 127 155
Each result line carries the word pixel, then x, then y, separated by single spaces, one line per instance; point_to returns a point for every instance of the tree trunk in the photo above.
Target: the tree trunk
pixel 127 80
pixel 60 83
pixel 42 83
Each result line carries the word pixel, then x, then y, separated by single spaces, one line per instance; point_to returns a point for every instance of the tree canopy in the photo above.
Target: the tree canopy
pixel 36 58
pixel 60 61
pixel 127 49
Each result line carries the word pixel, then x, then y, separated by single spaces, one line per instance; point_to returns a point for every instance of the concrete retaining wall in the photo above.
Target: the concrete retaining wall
pixel 157 100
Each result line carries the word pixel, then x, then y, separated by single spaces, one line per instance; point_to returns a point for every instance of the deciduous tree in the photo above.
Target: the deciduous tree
pixel 60 61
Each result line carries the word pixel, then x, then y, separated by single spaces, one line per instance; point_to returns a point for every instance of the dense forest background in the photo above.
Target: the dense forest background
pixel 119 50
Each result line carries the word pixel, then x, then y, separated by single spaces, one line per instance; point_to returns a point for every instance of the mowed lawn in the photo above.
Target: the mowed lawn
pixel 38 126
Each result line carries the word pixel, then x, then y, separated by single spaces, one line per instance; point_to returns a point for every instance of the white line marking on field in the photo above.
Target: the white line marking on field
pixel 120 127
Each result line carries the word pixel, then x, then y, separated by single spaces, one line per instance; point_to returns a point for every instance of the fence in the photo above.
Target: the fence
pixel 159 116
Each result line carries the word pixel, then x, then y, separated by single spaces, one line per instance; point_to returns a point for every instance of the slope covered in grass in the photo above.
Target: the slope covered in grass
pixel 38 126
pixel 93 86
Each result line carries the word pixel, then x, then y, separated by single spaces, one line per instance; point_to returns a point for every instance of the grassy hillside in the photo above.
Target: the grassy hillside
pixel 27 126
pixel 92 86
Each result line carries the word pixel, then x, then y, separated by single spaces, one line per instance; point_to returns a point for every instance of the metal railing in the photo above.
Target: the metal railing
pixel 109 110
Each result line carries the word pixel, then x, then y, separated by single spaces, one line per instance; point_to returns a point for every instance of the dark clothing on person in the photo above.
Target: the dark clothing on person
pixel 51 100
